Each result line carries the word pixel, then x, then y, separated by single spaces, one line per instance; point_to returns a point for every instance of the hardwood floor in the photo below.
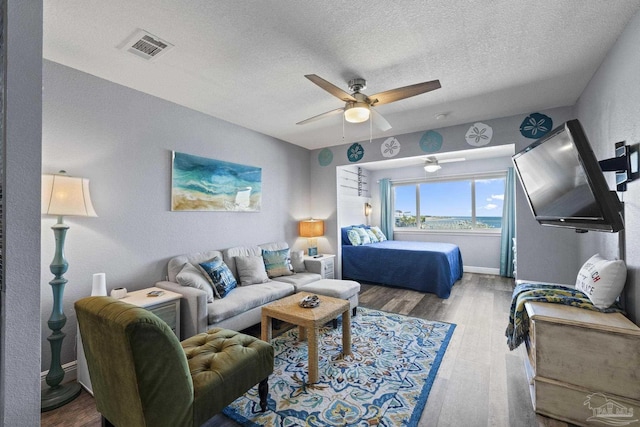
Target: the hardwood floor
pixel 480 382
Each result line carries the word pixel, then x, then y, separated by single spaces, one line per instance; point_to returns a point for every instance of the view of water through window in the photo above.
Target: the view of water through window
pixel 469 204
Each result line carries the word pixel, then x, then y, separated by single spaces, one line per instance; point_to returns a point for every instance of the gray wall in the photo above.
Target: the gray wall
pixel 609 110
pixel 20 298
pixel 544 254
pixel 122 140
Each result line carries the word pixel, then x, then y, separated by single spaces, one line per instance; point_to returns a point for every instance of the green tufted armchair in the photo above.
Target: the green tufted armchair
pixel 143 376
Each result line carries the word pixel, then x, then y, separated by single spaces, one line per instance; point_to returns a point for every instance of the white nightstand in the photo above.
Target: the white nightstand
pixel 165 306
pixel 323 265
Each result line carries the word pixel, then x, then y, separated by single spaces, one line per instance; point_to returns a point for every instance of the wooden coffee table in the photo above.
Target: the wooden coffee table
pixel 309 321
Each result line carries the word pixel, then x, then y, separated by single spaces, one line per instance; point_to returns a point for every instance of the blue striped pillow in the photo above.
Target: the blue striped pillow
pixel 277 263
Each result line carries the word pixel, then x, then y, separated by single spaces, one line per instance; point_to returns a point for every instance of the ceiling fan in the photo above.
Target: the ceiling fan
pixel 432 164
pixel 358 107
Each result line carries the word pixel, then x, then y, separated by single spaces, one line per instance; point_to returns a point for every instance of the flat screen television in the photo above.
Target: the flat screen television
pixel 564 184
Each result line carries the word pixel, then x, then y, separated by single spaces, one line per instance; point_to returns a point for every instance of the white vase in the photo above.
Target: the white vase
pixel 99 287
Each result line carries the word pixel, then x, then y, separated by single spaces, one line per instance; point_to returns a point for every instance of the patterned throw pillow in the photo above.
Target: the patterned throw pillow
pixel 192 277
pixel 277 263
pixel 372 235
pixel 602 280
pixel 379 234
pixel 354 237
pixel 364 237
pixel 219 275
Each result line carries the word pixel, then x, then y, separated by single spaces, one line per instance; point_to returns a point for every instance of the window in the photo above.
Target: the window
pixel 451 204
pixel 405 205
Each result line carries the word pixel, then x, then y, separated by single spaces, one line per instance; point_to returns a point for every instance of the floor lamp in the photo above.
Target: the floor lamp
pixel 61 195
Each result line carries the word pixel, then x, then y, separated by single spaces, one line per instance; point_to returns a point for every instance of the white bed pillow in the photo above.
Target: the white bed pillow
pixel 379 234
pixel 602 280
pixel 364 237
pixel 191 276
pixel 354 237
pixel 372 235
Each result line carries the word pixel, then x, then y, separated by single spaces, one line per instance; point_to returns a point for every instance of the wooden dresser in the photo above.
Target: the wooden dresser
pixel 583 366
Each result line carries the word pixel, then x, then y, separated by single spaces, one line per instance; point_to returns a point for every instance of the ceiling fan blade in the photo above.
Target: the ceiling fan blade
pixel 403 92
pixel 456 159
pixel 379 121
pixel 321 116
pixel 330 87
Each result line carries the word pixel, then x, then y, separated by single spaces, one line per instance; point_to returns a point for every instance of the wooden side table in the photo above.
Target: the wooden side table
pixel 309 320
pixel 165 306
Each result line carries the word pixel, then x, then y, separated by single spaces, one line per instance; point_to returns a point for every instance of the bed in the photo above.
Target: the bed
pixel 422 266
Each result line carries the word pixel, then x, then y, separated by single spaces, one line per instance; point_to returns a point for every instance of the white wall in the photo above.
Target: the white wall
pixel 20 296
pixel 609 110
pixel 122 140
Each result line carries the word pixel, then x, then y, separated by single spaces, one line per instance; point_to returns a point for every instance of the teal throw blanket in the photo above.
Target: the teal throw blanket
pixel 518 328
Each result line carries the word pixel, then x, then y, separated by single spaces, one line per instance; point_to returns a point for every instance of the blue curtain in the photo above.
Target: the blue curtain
pixel 386 208
pixel 508 226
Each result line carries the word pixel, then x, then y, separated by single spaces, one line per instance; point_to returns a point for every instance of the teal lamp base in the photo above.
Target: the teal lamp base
pixel 58 394
pixel 53 398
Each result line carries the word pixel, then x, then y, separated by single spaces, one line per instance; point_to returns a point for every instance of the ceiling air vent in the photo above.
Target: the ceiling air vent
pixel 145 45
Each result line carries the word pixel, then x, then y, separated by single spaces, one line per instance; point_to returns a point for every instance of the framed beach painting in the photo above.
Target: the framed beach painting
pixel 203 184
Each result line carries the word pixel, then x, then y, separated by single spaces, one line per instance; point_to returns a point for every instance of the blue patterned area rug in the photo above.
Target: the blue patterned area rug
pixel 384 382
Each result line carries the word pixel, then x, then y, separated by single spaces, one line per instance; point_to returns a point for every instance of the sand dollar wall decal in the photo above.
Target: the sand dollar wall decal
pixel 390 147
pixel 479 134
pixel 431 141
pixel 355 152
pixel 325 157
pixel 536 125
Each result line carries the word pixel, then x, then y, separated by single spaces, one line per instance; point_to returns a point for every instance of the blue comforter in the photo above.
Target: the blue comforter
pixel 422 266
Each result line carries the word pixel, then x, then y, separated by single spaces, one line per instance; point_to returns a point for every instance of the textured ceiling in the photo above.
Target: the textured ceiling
pixel 244 61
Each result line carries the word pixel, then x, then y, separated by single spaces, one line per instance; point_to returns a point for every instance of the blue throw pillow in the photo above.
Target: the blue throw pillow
pixel 277 263
pixel 219 275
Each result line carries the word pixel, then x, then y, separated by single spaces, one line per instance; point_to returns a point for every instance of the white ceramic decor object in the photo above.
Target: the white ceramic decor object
pixel 99 288
pixel 119 293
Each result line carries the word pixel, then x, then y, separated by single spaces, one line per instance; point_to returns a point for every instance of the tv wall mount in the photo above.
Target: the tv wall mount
pixel 624 164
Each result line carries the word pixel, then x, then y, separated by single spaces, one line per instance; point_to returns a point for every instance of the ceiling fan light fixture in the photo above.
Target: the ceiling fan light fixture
pixel 431 165
pixel 356 112
pixel 358 105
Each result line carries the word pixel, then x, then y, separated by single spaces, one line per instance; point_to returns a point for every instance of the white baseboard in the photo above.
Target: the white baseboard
pixel 70 374
pixel 481 270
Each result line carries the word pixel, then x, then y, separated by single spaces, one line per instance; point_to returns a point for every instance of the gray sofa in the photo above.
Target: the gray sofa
pixel 241 307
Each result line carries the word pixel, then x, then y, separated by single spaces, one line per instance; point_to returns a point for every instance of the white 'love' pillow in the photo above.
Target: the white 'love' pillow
pixel 602 280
